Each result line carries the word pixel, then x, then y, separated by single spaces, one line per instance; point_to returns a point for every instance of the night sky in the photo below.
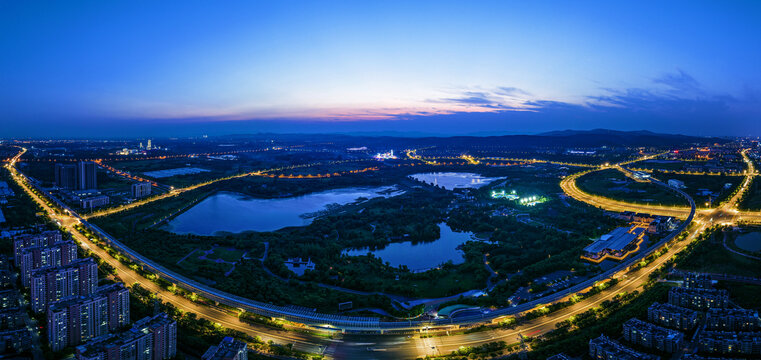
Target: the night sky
pixel 179 68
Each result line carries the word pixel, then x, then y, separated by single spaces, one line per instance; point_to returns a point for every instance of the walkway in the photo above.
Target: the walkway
pixel 724 242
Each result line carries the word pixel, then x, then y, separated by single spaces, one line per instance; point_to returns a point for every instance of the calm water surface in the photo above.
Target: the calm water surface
pixel 422 256
pixel 234 212
pixel 750 241
pixel 453 180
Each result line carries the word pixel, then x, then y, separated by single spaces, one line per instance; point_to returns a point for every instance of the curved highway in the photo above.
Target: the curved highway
pixel 353 323
pixel 394 346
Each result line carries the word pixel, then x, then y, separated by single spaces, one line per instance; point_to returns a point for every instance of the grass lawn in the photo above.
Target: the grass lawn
pixel 112 181
pixel 203 269
pixel 20 210
pixel 744 295
pixel 613 184
pixel 712 183
pixel 752 200
pixel 446 283
pixel 711 257
pixel 226 254
pixel 217 169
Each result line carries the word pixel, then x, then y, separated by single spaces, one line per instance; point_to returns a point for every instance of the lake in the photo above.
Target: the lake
pixel 453 180
pixel 235 212
pixel 750 241
pixel 423 255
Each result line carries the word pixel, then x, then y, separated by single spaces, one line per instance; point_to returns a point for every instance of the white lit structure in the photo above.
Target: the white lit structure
pixel 385 156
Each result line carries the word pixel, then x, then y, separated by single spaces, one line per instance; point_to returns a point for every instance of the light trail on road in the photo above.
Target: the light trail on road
pixel 397 347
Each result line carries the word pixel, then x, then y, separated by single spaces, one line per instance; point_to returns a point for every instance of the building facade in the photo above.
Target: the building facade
pixel 732 320
pixel 40 257
pixel 652 336
pixel 94 201
pixel 33 240
pixel 79 278
pixel 141 189
pixel 152 338
pixel 672 316
pixel 725 342
pixel 66 176
pixel 80 176
pixel 699 299
pixel 229 349
pixel 604 348
pixel 697 281
pixel 87 175
pixel 72 322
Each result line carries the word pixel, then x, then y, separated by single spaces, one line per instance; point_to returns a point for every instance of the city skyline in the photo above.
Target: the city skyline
pixel 190 68
pixel 387 180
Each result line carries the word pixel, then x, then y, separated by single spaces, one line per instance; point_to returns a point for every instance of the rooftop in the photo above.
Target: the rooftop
pixel 616 240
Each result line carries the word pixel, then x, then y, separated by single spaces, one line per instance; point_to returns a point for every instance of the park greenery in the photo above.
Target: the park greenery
pixel 707 190
pixel 710 256
pixel 752 199
pixel 20 210
pixel 613 184
pixel 548 238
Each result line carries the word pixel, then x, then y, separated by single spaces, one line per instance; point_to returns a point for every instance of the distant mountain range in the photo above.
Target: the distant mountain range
pixel 566 138
pixel 630 138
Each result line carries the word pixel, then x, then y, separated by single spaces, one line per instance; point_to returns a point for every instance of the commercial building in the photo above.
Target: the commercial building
pixel 141 189
pixel 699 299
pixel 735 343
pixel 732 320
pixel 80 176
pixel 79 278
pixel 94 201
pixel 152 338
pixel 604 348
pixel 87 175
pixel 66 176
pixel 228 349
pixel 652 336
pixel 697 281
pixel 672 316
pixel 32 258
pixel 74 321
pixel 616 245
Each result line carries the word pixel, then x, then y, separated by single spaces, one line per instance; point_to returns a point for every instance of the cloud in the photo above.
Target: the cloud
pixel 497 99
pixel 471 98
pixel 512 91
pixel 683 95
pixel 679 81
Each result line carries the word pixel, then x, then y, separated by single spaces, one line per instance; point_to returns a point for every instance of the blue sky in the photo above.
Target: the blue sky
pixel 181 67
